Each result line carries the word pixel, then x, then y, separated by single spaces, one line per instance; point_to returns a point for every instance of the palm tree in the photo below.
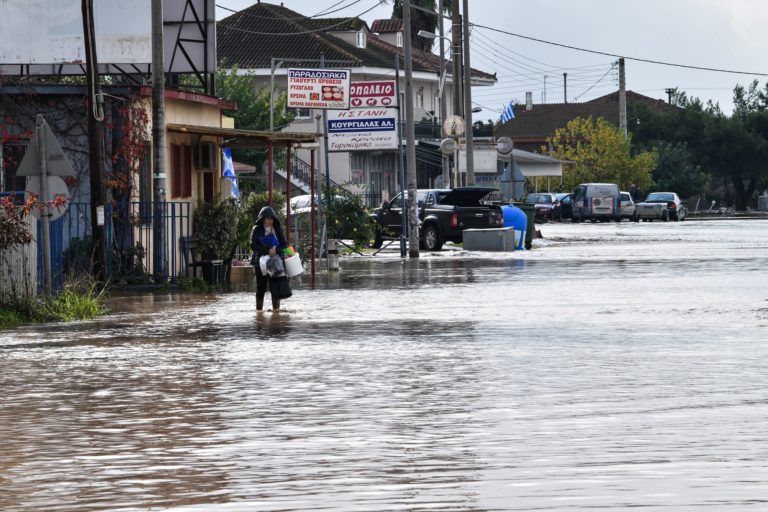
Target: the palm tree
pixel 421 20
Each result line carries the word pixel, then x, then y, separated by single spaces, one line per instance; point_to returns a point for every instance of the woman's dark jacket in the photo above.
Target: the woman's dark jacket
pixel 260 249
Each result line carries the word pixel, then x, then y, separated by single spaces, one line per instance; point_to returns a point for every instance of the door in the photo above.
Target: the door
pixel 392 217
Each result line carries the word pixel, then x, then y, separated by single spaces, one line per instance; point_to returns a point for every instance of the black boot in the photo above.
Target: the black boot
pixel 275 303
pixel 259 303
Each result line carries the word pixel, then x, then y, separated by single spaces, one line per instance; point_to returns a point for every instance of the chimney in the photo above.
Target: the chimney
pixel 528 100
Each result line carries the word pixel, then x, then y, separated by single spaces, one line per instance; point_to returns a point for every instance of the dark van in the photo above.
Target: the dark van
pixel 596 201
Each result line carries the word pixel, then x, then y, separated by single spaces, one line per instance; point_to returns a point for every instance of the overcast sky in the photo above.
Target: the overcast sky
pixel 721 34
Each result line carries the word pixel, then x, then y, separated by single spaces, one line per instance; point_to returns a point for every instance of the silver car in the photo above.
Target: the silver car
pixel 662 206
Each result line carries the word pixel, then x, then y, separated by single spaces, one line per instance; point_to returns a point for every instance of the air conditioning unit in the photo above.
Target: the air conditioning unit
pixel 205 156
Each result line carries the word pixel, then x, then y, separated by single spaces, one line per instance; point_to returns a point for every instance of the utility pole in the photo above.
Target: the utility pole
pixel 456 43
pixel 670 91
pixel 410 137
pixel 622 99
pixel 95 115
pixel 45 226
pixel 441 87
pixel 469 136
pixel 565 87
pixel 159 234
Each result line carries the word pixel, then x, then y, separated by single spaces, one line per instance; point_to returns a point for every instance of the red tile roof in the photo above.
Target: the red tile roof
pixel 542 120
pixel 250 38
pixel 387 26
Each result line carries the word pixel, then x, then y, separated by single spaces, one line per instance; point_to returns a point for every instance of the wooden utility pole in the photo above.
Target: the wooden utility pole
pixel 95 115
pixel 565 87
pixel 159 234
pixel 622 99
pixel 410 138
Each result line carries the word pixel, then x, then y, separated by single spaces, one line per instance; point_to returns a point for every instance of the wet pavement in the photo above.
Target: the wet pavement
pixel 613 366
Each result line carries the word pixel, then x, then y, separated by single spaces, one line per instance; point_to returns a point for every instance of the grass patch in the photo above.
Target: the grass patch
pixel 80 300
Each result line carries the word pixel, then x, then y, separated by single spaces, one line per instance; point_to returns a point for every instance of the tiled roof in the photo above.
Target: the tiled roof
pixel 387 26
pixel 543 120
pixel 251 37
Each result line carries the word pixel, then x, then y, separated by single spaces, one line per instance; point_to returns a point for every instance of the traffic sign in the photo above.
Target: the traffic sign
pixel 504 145
pixel 58 165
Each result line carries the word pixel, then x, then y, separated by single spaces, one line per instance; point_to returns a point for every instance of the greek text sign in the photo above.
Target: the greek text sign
pixel 373 94
pixel 318 88
pixel 362 129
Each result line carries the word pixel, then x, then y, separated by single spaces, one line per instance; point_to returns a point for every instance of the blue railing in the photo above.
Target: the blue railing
pixel 129 239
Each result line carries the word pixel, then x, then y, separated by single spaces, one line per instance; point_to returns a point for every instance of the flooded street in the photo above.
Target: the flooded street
pixel 612 366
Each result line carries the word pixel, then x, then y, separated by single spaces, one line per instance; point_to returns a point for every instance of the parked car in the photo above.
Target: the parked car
pixel 444 214
pixel 565 203
pixel 660 206
pixel 627 206
pixel 596 201
pixel 545 204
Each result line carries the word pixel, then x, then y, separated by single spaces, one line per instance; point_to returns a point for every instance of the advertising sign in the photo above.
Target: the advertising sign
pixel 318 88
pixel 373 94
pixel 362 129
pixel 51 32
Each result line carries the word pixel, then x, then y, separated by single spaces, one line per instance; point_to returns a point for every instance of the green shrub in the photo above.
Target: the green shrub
pixel 214 226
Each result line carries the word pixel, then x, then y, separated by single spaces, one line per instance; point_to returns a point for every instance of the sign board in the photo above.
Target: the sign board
pixel 318 88
pixel 373 94
pixel 485 160
pixel 51 31
pixel 58 165
pixel 362 129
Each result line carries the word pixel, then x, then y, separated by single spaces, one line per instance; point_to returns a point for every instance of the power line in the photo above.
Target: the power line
pixel 598 81
pixel 636 59
pixel 324 12
pixel 323 29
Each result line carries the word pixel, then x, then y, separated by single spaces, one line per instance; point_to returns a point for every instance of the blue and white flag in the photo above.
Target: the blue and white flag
pixel 508 113
pixel 229 172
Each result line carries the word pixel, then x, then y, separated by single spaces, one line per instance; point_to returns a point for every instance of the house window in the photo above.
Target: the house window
pixel 10 158
pixel 419 100
pixel 181 171
pixel 361 39
pixel 399 40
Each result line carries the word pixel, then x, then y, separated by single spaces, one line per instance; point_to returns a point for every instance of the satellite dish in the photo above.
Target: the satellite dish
pixel 504 145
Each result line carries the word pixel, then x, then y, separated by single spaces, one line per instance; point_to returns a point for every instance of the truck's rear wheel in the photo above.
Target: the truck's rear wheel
pixel 432 240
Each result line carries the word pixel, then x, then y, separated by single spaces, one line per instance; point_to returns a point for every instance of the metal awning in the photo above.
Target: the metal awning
pixel 244 138
pixel 533 164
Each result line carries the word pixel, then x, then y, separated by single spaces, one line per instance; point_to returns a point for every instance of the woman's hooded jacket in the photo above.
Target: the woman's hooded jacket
pixel 260 243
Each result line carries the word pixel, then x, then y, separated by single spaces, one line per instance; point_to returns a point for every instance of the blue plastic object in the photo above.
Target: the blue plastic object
pixel 516 218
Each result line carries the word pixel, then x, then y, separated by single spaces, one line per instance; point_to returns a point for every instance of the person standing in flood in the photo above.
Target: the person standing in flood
pixel 267 239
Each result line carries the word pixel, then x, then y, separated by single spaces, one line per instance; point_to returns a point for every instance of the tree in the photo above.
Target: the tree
pixel 600 153
pixel 421 20
pixel 676 171
pixel 252 108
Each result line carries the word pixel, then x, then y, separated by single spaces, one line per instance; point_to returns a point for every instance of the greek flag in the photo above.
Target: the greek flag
pixel 508 113
pixel 229 172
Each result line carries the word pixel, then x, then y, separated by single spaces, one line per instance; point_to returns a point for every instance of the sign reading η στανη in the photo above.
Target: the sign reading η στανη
pixel 362 129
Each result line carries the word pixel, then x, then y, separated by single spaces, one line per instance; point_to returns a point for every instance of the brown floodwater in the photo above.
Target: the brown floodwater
pixel 613 366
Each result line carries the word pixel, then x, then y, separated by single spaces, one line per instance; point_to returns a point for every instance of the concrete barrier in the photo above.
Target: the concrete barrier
pixel 491 239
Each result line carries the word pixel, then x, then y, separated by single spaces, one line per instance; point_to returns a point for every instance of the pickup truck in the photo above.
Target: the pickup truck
pixel 444 214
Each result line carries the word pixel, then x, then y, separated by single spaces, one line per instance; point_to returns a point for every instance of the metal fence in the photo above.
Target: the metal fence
pixel 129 237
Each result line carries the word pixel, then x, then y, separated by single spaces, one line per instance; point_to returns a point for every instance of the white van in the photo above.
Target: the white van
pixel 596 201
